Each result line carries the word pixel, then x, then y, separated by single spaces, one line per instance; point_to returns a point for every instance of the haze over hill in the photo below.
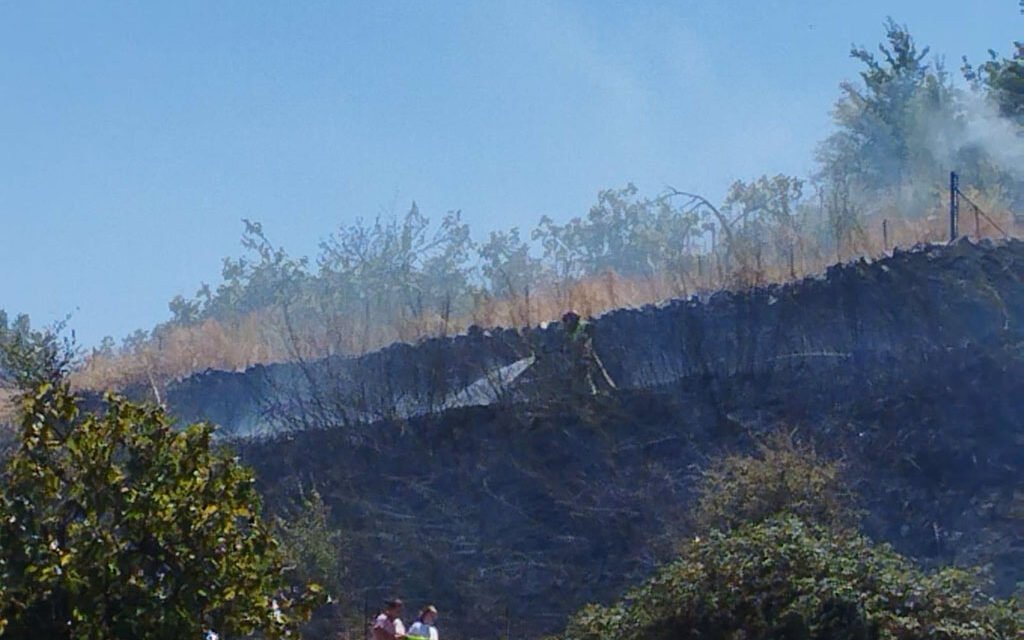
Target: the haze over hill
pixel 128 130
pixel 791 409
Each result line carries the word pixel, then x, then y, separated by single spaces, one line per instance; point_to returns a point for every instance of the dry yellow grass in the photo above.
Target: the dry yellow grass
pixel 181 351
pixel 265 337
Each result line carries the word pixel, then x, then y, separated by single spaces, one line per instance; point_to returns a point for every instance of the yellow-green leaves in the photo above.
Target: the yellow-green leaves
pixel 116 525
pixel 783 578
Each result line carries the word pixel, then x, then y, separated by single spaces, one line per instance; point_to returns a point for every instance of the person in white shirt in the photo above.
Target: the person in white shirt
pixel 388 626
pixel 424 625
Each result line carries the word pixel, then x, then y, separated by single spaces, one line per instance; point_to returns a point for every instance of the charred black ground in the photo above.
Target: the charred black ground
pixel 909 367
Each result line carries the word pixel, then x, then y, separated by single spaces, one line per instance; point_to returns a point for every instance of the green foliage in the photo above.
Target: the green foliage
pixel 766 200
pixel 29 357
pixel 777 559
pixel 267 278
pixel 884 121
pixel 1002 79
pixel 378 277
pixel 783 477
pixel 902 127
pixel 898 130
pixel 782 578
pixel 314 548
pixel 768 222
pixel 116 525
pixel 624 233
pixel 507 265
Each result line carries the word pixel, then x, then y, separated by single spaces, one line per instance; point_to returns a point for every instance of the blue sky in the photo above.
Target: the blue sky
pixel 136 136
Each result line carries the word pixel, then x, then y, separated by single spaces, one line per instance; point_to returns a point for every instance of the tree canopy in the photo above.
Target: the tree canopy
pixel 775 556
pixel 1002 79
pixel 113 524
pixel 880 180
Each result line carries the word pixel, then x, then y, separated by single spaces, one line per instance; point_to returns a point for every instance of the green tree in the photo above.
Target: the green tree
pixel 506 264
pixel 442 281
pixel 776 558
pixel 116 525
pixel 899 131
pixel 785 579
pixel 622 232
pixel 312 546
pixel 393 270
pixel 876 118
pixel 767 224
pixel 185 311
pixel 782 476
pixel 1002 79
pixel 843 216
pixel 32 356
pixel 268 277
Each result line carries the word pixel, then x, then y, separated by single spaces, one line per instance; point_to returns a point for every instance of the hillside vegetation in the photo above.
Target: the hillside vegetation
pixel 881 181
pixel 907 369
pixel 776 555
pixel 818 436
pixel 116 524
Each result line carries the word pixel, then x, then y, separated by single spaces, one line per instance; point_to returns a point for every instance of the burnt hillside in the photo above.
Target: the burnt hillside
pixel 525 498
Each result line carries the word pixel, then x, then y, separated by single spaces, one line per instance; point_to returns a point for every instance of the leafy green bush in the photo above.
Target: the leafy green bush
pixel 783 561
pixel 781 578
pixel 312 546
pixel 29 356
pixel 116 525
pixel 783 477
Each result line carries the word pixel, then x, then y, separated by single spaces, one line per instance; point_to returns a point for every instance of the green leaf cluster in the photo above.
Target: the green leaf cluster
pixel 778 557
pixel 782 578
pixel 116 525
pixel 30 356
pixel 782 476
pixel 314 548
pixel 1002 79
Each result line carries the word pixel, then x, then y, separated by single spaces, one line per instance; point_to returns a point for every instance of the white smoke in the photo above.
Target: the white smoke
pixel 1000 138
pixel 978 126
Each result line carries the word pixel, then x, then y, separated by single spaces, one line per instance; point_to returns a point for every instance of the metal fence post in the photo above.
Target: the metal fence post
pixel 954 204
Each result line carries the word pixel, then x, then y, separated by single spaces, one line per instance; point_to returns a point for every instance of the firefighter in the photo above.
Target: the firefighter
pixel 588 373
